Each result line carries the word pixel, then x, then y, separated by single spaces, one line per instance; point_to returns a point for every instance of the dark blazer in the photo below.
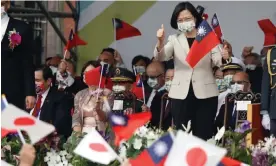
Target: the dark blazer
pixel 156 110
pixel 56 110
pixel 255 77
pixel 17 73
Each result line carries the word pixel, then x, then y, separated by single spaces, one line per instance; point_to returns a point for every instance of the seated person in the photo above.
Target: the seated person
pixel 51 105
pixel 89 112
pixel 240 82
pixel 125 101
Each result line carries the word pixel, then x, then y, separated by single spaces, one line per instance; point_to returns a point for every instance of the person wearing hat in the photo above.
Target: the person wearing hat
pixel 268 100
pixel 125 102
pixel 229 71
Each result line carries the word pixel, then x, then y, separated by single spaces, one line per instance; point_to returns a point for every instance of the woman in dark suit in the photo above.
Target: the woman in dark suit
pixel 193 91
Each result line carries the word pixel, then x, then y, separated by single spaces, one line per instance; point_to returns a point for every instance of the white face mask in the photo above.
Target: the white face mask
pixel 140 69
pixel 227 80
pixel 118 88
pixel 103 63
pixel 236 87
pixel 3 12
pixel 168 85
pixel 153 83
pixel 54 69
pixel 187 26
pixel 251 67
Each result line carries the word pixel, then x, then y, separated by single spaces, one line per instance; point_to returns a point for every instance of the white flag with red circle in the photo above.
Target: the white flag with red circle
pixel 189 150
pixel 94 148
pixel 13 118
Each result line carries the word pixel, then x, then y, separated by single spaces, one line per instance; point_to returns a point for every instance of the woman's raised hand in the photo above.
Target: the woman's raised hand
pixel 161 34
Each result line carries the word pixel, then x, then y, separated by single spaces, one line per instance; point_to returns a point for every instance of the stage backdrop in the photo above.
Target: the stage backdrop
pixel 238 21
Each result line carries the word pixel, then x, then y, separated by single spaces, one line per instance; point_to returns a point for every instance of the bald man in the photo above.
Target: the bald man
pixel 240 82
pixel 156 80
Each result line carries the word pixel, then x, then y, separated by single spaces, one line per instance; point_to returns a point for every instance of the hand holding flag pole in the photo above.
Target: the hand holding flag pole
pixel 18 131
pixel 143 88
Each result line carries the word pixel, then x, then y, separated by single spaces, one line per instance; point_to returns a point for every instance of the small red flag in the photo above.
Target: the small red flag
pixel 125 125
pixel 216 26
pixel 74 40
pixel 138 87
pixel 205 41
pixel 124 30
pixel 92 78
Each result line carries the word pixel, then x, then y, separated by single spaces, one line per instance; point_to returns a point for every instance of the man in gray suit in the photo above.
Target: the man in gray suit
pixel 269 92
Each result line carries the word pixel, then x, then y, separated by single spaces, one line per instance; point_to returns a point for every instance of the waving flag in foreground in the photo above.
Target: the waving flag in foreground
pixel 12 118
pixel 156 154
pixel 226 161
pixel 94 148
pixel 125 125
pixel 4 131
pixel 205 41
pixel 124 30
pixel 216 26
pixel 188 150
pixel 74 40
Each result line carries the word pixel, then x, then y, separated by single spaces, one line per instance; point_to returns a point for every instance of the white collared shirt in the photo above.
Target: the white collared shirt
pixel 44 95
pixel 152 95
pixel 4 24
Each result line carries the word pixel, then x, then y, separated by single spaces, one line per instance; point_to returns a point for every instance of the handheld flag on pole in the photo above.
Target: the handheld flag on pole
pixel 73 41
pixel 205 41
pixel 138 87
pixel 216 26
pixel 125 125
pixel 124 30
pixel 4 131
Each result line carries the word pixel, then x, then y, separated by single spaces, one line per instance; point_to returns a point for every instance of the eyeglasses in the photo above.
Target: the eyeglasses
pixel 238 82
pixel 152 77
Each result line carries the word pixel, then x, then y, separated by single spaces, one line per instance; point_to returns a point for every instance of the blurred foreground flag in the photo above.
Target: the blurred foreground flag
pixel 226 161
pixel 156 154
pixel 189 150
pixel 125 125
pixel 12 118
pixel 94 148
pixel 124 30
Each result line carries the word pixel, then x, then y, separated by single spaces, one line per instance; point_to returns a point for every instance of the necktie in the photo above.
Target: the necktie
pixel 37 106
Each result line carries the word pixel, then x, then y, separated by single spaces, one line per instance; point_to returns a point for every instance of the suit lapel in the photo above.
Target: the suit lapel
pixel 5 42
pixel 183 42
pixel 45 113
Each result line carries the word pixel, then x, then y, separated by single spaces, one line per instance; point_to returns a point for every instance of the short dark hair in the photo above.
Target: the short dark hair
pixel 185 6
pixel 110 50
pixel 140 57
pixel 46 72
pixel 88 63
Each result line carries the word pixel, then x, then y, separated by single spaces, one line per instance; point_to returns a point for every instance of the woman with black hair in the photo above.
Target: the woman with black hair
pixel 194 91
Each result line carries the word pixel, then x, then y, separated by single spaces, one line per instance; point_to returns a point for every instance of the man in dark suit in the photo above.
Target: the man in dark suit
pixel 52 106
pixel 16 61
pixel 268 99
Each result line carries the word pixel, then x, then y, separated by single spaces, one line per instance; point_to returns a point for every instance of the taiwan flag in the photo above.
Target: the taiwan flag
pixel 216 26
pixel 156 154
pixel 138 88
pixel 125 125
pixel 74 40
pixel 205 41
pixel 124 30
pixel 226 161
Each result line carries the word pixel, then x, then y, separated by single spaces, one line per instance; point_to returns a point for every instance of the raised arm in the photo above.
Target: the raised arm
pixel 220 56
pixel 163 52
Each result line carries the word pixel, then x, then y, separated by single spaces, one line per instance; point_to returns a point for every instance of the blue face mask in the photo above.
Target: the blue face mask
pixel 222 85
